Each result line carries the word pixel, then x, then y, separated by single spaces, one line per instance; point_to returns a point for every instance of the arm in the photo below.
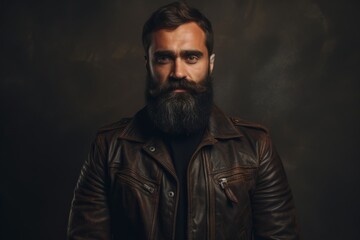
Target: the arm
pixel 272 201
pixel 89 214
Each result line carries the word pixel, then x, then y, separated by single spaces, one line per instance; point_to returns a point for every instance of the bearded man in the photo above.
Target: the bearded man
pixel 181 168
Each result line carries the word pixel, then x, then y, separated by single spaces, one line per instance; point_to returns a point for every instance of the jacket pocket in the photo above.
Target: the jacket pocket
pixel 232 191
pixel 132 179
pixel 229 180
pixel 134 204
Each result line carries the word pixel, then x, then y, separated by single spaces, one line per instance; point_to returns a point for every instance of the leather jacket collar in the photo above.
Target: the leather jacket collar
pixel 139 129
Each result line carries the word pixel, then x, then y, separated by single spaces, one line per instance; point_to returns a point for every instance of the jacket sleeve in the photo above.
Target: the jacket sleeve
pixel 89 215
pixel 272 201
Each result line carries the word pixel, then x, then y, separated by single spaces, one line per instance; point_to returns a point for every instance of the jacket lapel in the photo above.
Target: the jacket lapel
pixel 140 130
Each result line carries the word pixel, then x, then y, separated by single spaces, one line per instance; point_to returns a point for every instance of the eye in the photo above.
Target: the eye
pixel 162 59
pixel 192 59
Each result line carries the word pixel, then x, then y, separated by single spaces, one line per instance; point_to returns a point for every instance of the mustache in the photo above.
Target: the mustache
pixel 173 84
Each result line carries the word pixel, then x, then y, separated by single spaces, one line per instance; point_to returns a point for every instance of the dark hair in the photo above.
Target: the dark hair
pixel 172 16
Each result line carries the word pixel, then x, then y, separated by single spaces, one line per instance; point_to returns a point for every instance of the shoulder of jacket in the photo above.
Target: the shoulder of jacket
pixel 106 135
pixel 114 127
pixel 248 125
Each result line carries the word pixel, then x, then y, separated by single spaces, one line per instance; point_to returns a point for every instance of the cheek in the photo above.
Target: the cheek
pixel 200 71
pixel 160 73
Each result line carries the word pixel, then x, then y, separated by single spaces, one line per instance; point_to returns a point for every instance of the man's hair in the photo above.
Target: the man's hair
pixel 172 16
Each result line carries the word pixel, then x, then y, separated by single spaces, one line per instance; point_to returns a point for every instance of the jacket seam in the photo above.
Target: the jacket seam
pixel 156 203
pixel 210 198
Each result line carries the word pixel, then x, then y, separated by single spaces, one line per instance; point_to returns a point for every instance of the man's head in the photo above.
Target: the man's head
pixel 178 41
pixel 172 16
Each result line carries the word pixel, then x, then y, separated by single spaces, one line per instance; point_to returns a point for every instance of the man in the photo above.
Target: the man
pixel 181 169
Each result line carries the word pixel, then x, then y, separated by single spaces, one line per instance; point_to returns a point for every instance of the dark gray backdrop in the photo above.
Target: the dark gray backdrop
pixel 69 67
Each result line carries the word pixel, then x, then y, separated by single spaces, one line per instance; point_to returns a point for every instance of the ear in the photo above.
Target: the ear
pixel 146 60
pixel 212 61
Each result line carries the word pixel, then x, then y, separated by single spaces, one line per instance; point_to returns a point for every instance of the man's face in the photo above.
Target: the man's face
pixel 179 90
pixel 179 53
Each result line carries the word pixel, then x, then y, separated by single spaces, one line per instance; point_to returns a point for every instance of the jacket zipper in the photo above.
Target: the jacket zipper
pixel 223 182
pixel 133 181
pixel 149 188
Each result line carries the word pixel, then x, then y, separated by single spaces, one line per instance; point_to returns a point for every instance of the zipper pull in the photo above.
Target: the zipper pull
pixel 223 182
pixel 228 192
pixel 149 188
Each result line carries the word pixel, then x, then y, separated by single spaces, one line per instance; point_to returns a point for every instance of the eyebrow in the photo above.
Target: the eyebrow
pixel 182 53
pixel 192 52
pixel 162 53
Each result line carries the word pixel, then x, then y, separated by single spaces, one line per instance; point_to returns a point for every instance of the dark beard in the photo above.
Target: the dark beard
pixel 179 113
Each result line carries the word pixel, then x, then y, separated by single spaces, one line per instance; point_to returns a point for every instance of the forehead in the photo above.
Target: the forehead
pixel 188 36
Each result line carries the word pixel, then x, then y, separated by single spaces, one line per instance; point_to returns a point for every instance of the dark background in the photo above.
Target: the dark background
pixel 69 67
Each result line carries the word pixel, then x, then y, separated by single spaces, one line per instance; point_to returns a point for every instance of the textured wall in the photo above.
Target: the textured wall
pixel 68 67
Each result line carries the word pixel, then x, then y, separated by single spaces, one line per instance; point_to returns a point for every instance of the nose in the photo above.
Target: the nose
pixel 179 69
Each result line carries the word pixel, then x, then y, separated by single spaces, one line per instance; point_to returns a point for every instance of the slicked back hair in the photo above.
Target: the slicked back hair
pixel 172 16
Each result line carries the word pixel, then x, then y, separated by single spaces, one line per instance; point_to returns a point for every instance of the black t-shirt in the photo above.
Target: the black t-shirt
pixel 181 149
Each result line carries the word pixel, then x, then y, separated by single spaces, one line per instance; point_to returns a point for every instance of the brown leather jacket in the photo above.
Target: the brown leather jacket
pixel 237 188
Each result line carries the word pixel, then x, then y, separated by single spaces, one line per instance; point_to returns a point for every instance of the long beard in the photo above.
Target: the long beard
pixel 179 113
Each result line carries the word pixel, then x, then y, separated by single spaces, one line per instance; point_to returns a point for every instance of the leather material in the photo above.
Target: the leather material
pixel 237 187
